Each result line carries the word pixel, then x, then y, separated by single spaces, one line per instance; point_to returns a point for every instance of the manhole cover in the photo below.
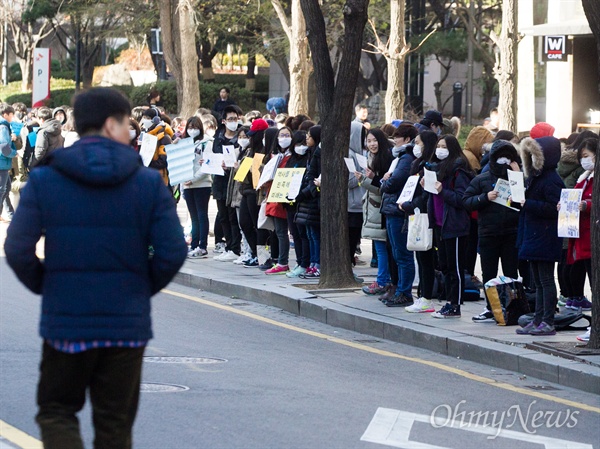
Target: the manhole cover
pixel 195 360
pixel 542 387
pixel 151 387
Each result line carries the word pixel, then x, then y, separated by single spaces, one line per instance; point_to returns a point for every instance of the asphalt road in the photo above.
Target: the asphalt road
pixel 287 382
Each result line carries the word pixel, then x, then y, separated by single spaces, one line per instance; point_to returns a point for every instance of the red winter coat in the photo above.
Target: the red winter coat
pixel 276 209
pixel 581 248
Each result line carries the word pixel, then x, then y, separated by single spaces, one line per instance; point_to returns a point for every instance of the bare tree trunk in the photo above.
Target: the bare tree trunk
pixel 335 100
pixel 299 63
pixel 208 74
pixel 489 83
pixel 592 11
pixel 250 76
pixel 179 44
pixel 506 67
pixel 190 101
pixel 26 65
pixel 394 95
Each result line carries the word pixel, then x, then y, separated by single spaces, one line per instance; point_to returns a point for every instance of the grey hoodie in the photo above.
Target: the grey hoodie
pixel 49 138
pixel 355 191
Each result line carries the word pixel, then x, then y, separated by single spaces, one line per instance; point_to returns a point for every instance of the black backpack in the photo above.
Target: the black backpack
pixel 28 146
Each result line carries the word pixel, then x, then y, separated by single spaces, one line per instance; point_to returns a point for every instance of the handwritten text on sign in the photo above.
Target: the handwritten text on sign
pixel 568 215
pixel 281 184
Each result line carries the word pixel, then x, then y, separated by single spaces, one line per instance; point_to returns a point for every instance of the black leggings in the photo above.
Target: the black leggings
pixel 574 276
pixel 249 219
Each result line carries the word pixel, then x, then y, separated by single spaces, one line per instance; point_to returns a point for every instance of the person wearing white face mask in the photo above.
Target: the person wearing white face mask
pixel 134 133
pixel 277 210
pixel 250 141
pixel 497 224
pixel 298 159
pixel 197 190
pixel 451 221
pixel 227 217
pixel 579 252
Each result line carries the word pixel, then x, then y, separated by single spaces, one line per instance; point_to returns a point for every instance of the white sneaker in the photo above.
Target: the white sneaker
pixel 421 305
pixel 229 256
pixel 243 258
pixel 585 337
pixel 219 248
pixel 197 253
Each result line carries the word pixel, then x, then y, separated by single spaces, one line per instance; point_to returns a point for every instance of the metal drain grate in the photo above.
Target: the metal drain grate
pixel 176 359
pixel 153 387
pixel 542 387
pixel 367 341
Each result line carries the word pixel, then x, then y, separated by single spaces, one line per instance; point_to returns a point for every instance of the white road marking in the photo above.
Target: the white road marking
pixel 392 428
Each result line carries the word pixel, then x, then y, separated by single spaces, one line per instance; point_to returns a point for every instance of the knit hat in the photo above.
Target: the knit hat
pixel 541 129
pixel 435 117
pixel 150 113
pixel 257 125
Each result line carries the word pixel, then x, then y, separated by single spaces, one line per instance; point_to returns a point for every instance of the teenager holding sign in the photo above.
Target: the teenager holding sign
pixel 498 224
pixel 424 149
pixel 379 161
pixel 451 219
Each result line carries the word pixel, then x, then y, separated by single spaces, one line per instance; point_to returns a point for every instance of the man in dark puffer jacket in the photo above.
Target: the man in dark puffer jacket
pixel 99 210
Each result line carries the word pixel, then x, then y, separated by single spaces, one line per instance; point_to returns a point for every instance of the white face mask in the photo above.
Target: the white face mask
pixel 132 134
pixel 192 132
pixel 146 123
pixel 244 142
pixel 503 160
pixel 301 150
pixel 441 153
pixel 587 163
pixel 210 132
pixel 417 151
pixel 231 126
pixel 285 142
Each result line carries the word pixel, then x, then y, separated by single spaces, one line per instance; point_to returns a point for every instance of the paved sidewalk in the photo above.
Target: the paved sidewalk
pixel 485 343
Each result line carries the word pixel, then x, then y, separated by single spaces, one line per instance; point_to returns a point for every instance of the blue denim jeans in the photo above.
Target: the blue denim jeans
pixel 314 240
pixel 283 236
pixel 197 203
pixel 4 190
pixel 383 270
pixel 403 257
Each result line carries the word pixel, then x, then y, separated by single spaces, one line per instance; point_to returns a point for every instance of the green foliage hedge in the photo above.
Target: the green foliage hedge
pixel 62 92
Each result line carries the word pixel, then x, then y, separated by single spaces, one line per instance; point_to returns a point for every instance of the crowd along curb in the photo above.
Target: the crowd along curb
pixel 569 373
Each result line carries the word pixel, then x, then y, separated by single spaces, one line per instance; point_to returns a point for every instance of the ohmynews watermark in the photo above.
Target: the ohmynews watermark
pixel 445 415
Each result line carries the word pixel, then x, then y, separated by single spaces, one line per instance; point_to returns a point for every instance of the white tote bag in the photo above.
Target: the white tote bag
pixel 264 221
pixel 420 237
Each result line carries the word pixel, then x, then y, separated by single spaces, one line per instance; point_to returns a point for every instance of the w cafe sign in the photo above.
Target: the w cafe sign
pixel 556 48
pixel 41 77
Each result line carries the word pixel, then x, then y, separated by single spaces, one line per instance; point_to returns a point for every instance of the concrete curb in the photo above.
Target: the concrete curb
pixel 569 373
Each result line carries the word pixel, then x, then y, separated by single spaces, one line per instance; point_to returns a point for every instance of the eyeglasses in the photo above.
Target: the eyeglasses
pixel 285 135
pixel 231 119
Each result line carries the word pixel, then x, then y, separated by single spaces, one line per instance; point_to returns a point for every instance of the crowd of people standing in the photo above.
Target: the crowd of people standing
pixel 465 220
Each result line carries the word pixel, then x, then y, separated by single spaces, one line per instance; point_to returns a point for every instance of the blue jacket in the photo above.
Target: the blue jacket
pixel 538 236
pixel 392 187
pixel 99 210
pixel 456 221
pixel 7 146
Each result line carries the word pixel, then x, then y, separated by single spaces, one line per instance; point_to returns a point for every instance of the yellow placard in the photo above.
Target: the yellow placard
pixel 281 184
pixel 243 170
pixel 256 163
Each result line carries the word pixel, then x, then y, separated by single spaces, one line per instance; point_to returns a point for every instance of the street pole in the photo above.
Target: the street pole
pixel 5 58
pixel 469 112
pixel 77 59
